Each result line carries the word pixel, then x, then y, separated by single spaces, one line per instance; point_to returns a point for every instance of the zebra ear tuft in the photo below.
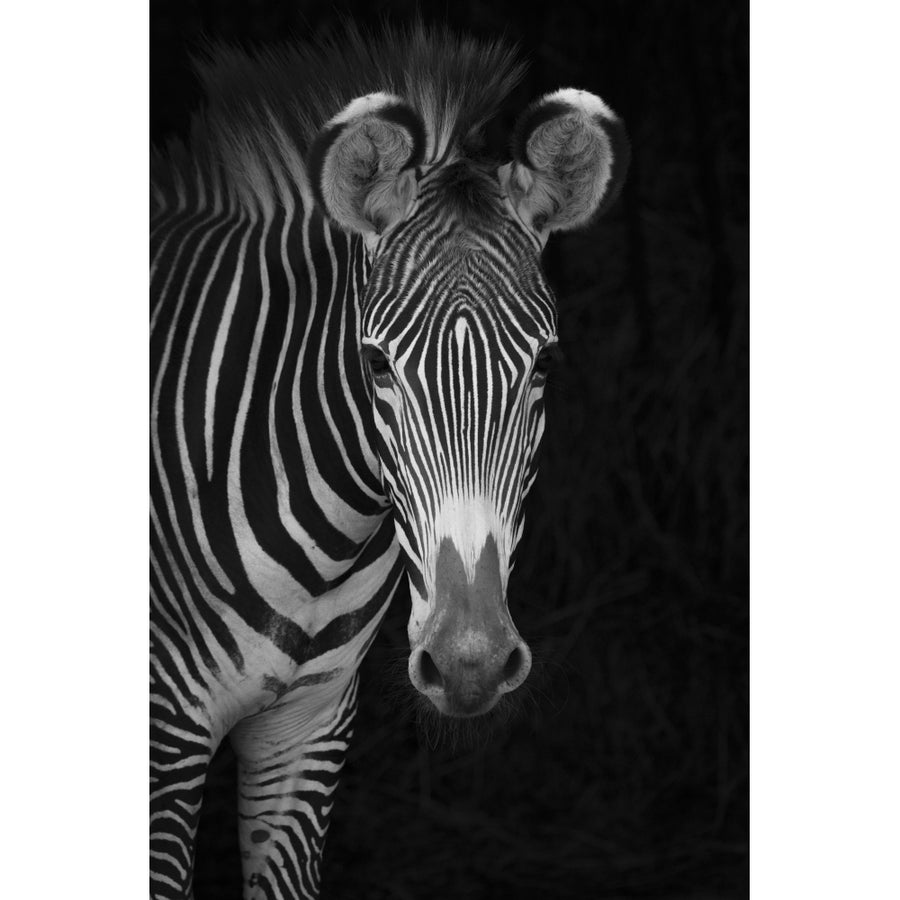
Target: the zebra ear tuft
pixel 570 154
pixel 362 163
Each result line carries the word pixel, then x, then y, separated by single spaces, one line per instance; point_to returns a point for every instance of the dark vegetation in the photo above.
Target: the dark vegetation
pixel 626 772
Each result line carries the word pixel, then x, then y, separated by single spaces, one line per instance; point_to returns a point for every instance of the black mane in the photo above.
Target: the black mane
pixel 262 111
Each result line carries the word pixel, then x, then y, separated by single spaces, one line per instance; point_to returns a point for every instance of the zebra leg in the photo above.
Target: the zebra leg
pixel 288 767
pixel 180 753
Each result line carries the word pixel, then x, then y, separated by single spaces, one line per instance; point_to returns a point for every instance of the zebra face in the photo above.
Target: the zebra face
pixel 459 331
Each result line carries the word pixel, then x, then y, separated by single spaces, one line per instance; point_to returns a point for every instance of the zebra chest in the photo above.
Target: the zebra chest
pixel 296 642
pixel 330 588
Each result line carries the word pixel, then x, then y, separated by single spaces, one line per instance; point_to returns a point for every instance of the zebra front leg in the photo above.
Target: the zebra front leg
pixel 180 753
pixel 288 767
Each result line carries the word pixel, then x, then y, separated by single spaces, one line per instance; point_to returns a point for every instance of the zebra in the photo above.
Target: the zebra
pixel 350 339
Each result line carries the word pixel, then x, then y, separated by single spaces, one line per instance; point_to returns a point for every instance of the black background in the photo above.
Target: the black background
pixel 626 772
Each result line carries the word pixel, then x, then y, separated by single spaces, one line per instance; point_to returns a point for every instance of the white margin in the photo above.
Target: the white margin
pixel 825 453
pixel 74 509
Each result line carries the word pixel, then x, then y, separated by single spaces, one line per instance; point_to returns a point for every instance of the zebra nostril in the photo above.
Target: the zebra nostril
pixel 431 675
pixel 518 664
pixel 513 664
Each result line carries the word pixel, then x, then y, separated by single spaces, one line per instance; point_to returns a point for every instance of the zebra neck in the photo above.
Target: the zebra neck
pixel 262 424
pixel 311 426
pixel 320 428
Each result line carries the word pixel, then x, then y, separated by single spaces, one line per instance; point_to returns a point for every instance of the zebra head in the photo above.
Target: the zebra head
pixel 458 332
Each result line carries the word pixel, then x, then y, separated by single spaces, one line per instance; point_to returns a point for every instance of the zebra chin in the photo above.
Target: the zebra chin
pixel 469 653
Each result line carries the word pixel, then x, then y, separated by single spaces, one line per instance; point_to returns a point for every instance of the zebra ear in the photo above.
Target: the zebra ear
pixel 570 155
pixel 362 163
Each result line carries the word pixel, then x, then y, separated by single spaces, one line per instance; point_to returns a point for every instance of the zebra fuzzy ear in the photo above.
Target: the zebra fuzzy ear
pixel 570 155
pixel 362 163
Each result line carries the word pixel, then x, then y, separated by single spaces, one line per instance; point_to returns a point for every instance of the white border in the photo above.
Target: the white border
pixel 825 455
pixel 74 377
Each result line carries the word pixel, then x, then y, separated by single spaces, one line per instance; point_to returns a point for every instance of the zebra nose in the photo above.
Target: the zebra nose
pixel 466 684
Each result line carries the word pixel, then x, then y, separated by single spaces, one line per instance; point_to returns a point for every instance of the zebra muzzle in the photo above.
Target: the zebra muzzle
pixel 471 653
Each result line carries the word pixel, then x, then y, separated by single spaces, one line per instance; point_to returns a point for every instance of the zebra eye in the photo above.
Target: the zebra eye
pixel 378 362
pixel 546 360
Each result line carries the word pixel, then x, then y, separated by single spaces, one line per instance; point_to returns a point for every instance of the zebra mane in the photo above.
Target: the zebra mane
pixel 263 110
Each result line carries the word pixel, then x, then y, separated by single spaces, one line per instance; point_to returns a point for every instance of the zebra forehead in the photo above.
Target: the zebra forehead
pixel 455 266
pixel 491 326
pixel 483 326
pixel 455 255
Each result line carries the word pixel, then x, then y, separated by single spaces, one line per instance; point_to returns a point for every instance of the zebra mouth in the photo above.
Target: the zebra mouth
pixel 462 707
